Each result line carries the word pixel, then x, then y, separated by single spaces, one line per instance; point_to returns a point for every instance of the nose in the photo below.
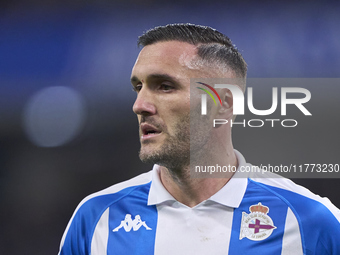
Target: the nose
pixel 144 104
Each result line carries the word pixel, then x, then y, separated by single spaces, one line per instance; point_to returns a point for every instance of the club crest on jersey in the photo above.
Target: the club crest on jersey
pixel 129 224
pixel 256 225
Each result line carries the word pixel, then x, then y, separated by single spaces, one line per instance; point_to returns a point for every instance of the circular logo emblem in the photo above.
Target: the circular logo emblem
pixel 257 225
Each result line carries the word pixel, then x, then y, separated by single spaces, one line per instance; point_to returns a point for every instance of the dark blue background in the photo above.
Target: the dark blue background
pixel 90 46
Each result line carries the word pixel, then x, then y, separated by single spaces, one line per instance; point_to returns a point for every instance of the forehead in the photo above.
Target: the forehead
pixel 164 57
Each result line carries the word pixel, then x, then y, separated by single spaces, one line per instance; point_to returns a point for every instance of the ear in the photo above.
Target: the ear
pixel 226 109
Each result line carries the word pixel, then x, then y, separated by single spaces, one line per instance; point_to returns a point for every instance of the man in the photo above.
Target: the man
pixel 185 215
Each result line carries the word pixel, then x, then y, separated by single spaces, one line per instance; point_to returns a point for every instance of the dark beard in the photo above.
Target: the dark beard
pixel 175 152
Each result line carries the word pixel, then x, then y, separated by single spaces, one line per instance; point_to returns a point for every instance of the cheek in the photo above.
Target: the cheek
pixel 182 110
pixel 179 105
pixel 176 115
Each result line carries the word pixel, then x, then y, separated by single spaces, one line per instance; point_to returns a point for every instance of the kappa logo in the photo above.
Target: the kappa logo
pixel 129 224
pixel 257 225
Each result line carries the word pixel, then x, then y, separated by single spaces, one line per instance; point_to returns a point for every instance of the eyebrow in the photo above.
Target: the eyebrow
pixel 134 79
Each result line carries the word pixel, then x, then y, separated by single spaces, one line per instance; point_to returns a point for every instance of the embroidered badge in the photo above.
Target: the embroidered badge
pixel 129 224
pixel 256 225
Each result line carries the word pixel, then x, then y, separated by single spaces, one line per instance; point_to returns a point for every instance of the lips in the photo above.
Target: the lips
pixel 149 130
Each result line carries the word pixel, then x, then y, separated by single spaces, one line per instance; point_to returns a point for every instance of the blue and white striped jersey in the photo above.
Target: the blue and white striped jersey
pixel 247 216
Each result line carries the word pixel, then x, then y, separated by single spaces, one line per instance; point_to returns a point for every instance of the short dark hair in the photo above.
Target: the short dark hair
pixel 212 45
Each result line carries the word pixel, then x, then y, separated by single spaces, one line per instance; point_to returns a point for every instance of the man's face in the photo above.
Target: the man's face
pixel 161 77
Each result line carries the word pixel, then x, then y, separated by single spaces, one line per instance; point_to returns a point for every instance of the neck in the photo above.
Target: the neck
pixel 192 191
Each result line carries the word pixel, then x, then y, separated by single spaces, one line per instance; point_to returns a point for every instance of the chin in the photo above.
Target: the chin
pixel 170 160
pixel 149 154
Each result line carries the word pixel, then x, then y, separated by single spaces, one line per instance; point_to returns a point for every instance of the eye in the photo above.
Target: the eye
pixel 166 87
pixel 137 88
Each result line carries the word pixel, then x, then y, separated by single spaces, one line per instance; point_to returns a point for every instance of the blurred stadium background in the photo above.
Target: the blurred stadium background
pixel 66 124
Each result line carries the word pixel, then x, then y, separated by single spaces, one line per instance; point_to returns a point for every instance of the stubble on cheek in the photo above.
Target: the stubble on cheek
pixel 174 150
pixel 200 128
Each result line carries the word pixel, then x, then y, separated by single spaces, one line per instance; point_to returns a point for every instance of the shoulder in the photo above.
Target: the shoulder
pixel 79 231
pixel 118 190
pixel 100 200
pixel 317 218
pixel 295 195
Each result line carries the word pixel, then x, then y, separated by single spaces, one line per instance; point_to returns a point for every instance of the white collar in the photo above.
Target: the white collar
pixel 229 195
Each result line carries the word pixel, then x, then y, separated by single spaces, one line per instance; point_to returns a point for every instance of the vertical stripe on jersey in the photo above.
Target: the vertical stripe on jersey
pixel 319 228
pixel 272 245
pixel 203 229
pixel 141 241
pixel 92 216
pixel 291 243
pixel 100 235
